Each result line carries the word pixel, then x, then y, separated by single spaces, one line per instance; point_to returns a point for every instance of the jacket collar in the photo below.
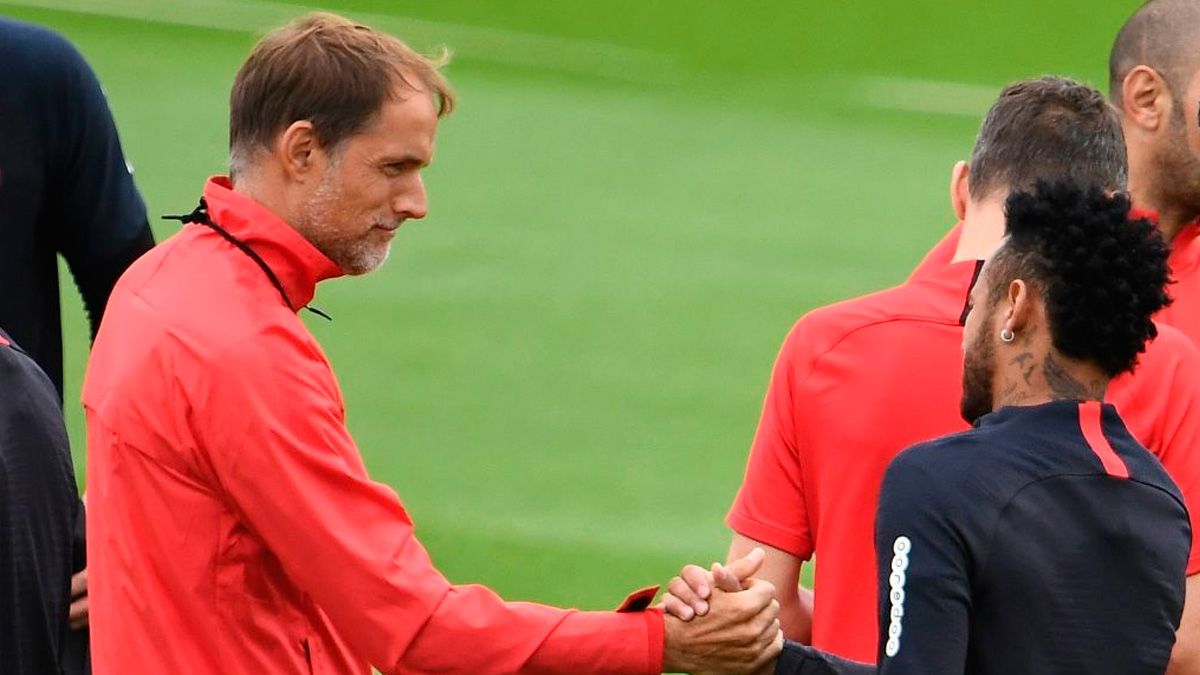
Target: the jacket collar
pixel 296 262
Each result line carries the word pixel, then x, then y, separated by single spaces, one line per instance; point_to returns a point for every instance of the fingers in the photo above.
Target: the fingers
pixel 79 583
pixel 743 568
pixel 677 608
pixel 698 580
pixel 762 591
pixel 687 594
pixel 724 579
pixel 77 616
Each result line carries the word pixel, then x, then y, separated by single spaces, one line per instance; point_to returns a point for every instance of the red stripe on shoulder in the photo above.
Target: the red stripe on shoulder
pixel 1089 423
pixel 4 343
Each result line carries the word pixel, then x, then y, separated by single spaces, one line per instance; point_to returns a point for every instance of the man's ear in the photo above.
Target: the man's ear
pixel 960 188
pixel 296 150
pixel 1145 98
pixel 1022 306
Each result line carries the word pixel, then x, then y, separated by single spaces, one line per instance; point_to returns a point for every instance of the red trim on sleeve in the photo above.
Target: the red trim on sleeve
pixel 1089 423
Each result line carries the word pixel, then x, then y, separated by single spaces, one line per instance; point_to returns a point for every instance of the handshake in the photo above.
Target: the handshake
pixel 722 620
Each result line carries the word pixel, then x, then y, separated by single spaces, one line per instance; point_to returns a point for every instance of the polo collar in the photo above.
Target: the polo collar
pixel 297 264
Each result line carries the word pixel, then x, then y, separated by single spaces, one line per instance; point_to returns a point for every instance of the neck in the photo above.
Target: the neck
pixel 1032 378
pixel 1145 188
pixel 982 229
pixel 257 184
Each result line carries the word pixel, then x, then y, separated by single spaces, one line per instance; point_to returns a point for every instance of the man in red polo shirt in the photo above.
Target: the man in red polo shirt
pixel 857 382
pixel 235 529
pixel 1154 80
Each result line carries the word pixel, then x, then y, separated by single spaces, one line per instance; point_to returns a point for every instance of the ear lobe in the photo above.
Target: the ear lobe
pixel 960 188
pixel 1145 98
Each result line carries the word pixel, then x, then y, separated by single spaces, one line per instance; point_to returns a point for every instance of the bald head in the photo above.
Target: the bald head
pixel 1162 34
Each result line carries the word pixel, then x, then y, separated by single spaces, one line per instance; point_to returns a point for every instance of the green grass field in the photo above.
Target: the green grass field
pixel 560 369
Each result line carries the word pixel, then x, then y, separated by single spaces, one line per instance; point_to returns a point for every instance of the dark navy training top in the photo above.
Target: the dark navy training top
pixel 39 506
pixel 1044 541
pixel 64 189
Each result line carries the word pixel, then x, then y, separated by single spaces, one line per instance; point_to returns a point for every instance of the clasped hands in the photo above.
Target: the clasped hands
pixel 722 620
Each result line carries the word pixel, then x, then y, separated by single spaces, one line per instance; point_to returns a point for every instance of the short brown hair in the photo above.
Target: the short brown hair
pixel 330 71
pixel 1048 128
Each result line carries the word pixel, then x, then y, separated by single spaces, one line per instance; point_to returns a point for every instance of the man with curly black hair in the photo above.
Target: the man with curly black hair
pixel 857 382
pixel 1046 539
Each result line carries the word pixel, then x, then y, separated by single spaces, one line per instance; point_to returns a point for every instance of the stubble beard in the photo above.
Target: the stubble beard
pixel 978 377
pixel 355 255
pixel 1180 169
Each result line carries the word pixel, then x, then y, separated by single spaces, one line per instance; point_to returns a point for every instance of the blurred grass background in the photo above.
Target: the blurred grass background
pixel 560 369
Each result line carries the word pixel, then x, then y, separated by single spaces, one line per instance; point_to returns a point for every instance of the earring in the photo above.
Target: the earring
pixel 1006 335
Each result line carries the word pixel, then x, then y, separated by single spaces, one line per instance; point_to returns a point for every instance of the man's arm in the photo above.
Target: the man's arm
pixel 349 543
pixel 1161 413
pixel 924 592
pixel 781 569
pixel 798 659
pixel 770 510
pixel 98 217
pixel 1185 657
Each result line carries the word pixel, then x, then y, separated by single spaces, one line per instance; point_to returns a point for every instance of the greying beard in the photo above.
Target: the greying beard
pixel 353 256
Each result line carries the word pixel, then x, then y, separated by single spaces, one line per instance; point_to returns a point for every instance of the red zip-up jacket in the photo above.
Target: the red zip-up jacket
pixel 232 526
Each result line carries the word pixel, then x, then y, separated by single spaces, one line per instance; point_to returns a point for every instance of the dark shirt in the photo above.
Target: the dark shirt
pixel 39 506
pixel 64 189
pixel 1046 540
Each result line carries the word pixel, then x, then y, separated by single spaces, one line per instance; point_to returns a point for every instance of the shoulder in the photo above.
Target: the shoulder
pixel 974 466
pixel 826 328
pixel 1167 352
pixel 38 51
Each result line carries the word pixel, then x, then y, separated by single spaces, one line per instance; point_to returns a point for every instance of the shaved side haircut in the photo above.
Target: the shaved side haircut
pixel 1161 34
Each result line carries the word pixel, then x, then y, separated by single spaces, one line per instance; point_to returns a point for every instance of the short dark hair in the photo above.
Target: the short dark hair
pixel 1049 127
pixel 1161 34
pixel 1101 275
pixel 329 70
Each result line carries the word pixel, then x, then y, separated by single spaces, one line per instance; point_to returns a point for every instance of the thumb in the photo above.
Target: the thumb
pixel 725 580
pixel 743 568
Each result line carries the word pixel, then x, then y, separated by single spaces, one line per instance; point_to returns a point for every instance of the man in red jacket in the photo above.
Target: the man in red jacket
pixel 234 528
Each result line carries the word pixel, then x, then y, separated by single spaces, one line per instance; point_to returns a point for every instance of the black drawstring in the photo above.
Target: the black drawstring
pixel 200 215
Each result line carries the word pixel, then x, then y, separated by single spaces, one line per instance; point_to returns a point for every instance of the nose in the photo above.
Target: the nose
pixel 410 202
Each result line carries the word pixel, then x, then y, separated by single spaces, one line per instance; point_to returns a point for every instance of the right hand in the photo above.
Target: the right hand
pixel 738 634
pixel 687 594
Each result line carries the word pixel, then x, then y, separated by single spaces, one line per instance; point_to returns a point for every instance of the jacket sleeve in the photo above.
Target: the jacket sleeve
pixel 271 422
pixel 924 591
pixel 798 659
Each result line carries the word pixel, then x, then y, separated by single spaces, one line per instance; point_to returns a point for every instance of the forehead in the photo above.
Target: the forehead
pixel 406 122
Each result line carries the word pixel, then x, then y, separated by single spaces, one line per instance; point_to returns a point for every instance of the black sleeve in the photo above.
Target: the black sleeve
pixel 98 217
pixel 798 659
pixel 924 590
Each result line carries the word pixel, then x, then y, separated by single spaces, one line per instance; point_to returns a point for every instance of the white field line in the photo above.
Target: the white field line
pixel 923 96
pixel 485 44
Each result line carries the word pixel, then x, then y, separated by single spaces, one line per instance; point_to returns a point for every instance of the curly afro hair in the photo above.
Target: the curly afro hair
pixel 1102 275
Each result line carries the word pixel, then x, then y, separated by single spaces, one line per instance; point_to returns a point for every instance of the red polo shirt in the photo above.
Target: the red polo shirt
pixel 1184 261
pixel 232 526
pixel 857 382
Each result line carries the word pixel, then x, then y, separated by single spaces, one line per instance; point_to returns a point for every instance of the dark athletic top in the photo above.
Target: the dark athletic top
pixel 64 189
pixel 1046 540
pixel 39 506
